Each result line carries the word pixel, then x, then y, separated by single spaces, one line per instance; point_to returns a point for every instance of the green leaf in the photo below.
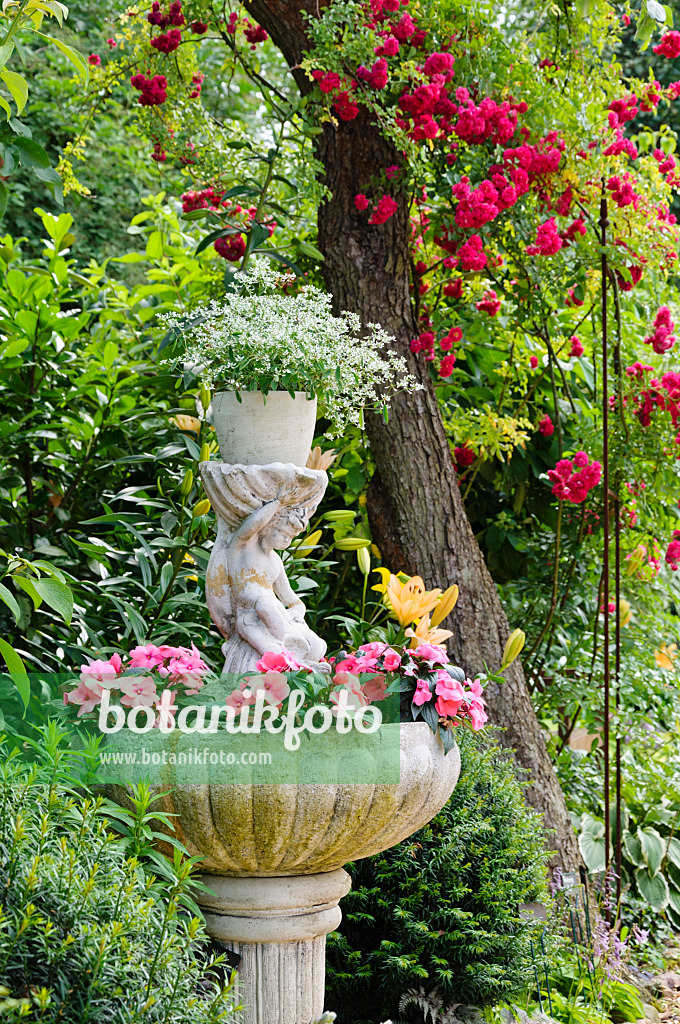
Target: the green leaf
pixel 10 600
pixel 110 353
pixel 212 237
pixel 592 851
pixel 5 53
pixel 653 848
pixel 18 87
pixel 6 107
pixel 633 848
pixel 58 596
pixel 653 890
pixel 31 154
pixel 280 258
pixel 154 246
pixel 674 899
pixel 4 197
pixel 17 670
pixel 311 250
pixel 79 64
pixel 673 852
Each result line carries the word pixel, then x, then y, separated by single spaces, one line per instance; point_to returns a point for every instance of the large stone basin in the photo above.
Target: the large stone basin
pixel 275 830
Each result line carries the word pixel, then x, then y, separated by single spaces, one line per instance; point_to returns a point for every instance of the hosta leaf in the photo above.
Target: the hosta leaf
pixel 652 889
pixel 653 848
pixel 673 852
pixel 674 898
pixel 633 848
pixel 592 825
pixel 592 851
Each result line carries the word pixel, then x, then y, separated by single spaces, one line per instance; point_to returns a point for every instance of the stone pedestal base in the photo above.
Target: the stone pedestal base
pixel 278 927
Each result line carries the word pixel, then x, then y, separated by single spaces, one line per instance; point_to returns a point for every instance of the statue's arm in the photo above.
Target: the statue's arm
pixel 256 521
pixel 285 592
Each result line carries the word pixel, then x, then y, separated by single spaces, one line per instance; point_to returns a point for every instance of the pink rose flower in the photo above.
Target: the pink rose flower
pixel 422 693
pixel 140 691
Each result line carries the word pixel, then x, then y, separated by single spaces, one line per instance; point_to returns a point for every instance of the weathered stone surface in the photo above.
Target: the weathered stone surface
pixel 274 830
pixel 258 430
pixel 259 509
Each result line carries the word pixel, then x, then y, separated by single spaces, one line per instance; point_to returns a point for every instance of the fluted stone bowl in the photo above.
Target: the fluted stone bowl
pixel 287 829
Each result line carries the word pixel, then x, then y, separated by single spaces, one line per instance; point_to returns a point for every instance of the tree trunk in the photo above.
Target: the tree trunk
pixel 415 507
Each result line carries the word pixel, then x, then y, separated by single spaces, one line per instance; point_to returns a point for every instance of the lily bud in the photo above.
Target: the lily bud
pixel 513 648
pixel 341 516
pixel 206 396
pixel 445 605
pixel 204 454
pixel 187 484
pixel 364 560
pixel 352 543
pixel 306 544
pixel 202 507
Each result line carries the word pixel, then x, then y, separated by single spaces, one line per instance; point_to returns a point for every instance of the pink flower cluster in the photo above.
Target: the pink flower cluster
pixel 548 240
pixel 621 144
pixel 167 42
pixel 173 666
pixel 576 349
pixel 546 426
pixel 154 91
pixel 573 479
pixel 625 109
pixel 452 702
pixel 231 247
pixel 661 394
pixel 161 19
pixel 376 76
pixel 673 551
pixel 662 339
pixel 463 458
pixel 489 303
pixel 622 191
pixel 669 45
pixel 385 208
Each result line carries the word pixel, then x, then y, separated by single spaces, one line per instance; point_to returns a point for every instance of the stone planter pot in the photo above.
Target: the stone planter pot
pixel 258 431
pixel 273 857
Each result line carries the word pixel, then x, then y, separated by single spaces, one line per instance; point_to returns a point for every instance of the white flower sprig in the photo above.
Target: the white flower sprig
pixel 261 339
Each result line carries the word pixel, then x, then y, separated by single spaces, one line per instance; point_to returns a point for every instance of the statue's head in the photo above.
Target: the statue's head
pixel 236 492
pixel 286 525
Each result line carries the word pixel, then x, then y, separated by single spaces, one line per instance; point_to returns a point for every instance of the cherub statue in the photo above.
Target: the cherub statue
pixel 260 509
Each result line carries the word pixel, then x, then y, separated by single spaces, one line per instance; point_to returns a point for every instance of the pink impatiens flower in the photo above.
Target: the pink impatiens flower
pixel 273 684
pixel 140 691
pixel 422 693
pixel 375 688
pixel 279 661
pixel 87 696
pixel 101 671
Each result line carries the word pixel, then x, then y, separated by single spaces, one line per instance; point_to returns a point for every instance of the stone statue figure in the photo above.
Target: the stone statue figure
pixel 259 509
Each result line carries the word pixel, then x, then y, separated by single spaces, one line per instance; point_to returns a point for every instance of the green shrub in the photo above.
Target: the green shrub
pixel 439 913
pixel 85 934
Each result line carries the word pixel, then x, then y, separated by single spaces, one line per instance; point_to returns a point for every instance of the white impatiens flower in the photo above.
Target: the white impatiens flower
pixel 261 339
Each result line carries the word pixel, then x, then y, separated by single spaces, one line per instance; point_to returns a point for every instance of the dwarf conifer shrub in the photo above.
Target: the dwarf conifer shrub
pixel 439 914
pixel 86 936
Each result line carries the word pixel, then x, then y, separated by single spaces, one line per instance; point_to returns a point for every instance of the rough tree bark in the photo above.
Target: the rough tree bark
pixel 415 507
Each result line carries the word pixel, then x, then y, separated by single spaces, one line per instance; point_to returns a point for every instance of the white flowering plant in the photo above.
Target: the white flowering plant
pixel 259 338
